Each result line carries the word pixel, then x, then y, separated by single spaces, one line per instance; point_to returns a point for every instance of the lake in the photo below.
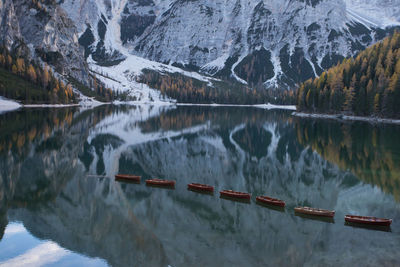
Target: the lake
pixel 60 204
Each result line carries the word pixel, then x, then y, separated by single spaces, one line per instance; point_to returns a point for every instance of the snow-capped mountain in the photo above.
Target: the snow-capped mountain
pixel 272 42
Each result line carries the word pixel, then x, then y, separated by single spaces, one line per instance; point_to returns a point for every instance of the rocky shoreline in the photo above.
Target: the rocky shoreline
pixel 345 117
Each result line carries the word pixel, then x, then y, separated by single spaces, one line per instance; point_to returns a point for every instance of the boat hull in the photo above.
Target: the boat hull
pixel 201 187
pixel 233 194
pixel 159 182
pixel 315 212
pixel 271 201
pixel 134 178
pixel 367 220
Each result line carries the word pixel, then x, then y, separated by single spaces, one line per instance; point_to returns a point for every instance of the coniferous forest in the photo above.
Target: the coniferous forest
pixel 367 85
pixel 190 90
pixel 26 81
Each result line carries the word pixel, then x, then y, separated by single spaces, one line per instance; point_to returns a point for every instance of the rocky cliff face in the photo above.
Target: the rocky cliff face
pixel 268 43
pixel 257 42
pixel 43 31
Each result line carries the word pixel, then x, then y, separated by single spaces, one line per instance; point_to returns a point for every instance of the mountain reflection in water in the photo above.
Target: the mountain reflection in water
pixel 57 169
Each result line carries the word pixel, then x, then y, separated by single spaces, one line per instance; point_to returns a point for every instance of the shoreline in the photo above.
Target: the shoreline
pixel 7 105
pixel 264 106
pixel 341 117
pixel 50 105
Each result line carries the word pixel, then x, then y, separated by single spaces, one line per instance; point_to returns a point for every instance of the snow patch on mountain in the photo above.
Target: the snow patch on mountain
pixel 124 77
pixel 215 65
pixel 302 37
pixel 376 13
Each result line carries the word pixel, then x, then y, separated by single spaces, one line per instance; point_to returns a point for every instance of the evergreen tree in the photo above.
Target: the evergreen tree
pixel 32 73
pixel 366 85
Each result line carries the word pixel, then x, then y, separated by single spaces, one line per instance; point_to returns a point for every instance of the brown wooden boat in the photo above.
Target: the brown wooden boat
pixel 234 194
pixel 316 212
pixel 271 201
pixel 201 187
pixel 134 178
pixel 367 220
pixel 160 182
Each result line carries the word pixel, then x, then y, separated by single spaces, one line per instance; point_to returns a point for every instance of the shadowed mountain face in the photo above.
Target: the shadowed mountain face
pixel 274 42
pixel 271 44
pixel 60 185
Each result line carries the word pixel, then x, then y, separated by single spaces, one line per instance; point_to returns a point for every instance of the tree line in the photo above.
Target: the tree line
pixel 40 86
pixel 367 85
pixel 25 80
pixel 190 90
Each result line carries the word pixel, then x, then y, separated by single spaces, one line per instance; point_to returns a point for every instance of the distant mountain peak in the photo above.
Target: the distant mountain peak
pixel 300 38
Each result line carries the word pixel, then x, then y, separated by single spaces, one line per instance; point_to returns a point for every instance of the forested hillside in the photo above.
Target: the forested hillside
pixel 27 81
pixel 367 85
pixel 190 90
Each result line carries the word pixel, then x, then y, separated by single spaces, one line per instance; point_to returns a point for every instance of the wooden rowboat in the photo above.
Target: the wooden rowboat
pixel 316 212
pixel 134 178
pixel 234 194
pixel 160 182
pixel 201 187
pixel 367 220
pixel 271 201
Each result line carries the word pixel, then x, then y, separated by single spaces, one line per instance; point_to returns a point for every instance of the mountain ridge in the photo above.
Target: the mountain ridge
pixel 301 37
pixel 263 44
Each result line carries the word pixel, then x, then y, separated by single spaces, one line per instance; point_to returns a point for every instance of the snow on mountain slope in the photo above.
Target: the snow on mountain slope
pixel 379 13
pixel 275 43
pixel 278 43
pixel 109 59
pixel 123 77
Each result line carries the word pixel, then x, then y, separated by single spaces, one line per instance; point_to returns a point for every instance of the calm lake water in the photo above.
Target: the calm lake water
pixel 60 205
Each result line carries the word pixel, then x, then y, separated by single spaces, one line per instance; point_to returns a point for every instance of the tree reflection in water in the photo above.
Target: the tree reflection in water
pixel 57 179
pixel 370 152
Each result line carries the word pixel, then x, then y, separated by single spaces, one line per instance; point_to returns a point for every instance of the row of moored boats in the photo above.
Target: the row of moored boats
pixel 366 220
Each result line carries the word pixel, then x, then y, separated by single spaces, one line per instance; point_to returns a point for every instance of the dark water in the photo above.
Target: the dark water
pixel 61 206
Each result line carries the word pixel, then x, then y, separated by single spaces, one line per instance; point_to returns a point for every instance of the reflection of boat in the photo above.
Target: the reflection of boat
pixel 160 182
pixel 315 218
pixel 369 226
pixel 271 201
pixel 367 220
pixel 133 178
pixel 201 187
pixel 235 199
pixel 234 194
pixel 271 207
pixel 315 212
